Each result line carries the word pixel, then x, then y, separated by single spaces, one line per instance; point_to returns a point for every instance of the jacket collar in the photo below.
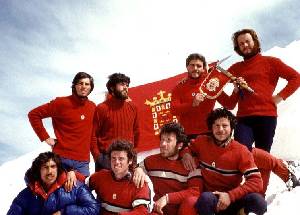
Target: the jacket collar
pixel 38 189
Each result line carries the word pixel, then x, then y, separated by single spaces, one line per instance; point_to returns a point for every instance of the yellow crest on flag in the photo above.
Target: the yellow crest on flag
pixel 160 109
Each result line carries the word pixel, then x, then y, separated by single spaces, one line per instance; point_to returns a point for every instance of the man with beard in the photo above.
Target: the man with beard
pixel 176 189
pixel 72 120
pixel 188 104
pixel 45 193
pixel 223 163
pixel 115 118
pixel 257 112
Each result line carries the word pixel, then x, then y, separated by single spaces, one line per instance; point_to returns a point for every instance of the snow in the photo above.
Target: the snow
pixel 286 146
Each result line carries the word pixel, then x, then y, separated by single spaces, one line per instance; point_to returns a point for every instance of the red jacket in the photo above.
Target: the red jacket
pixel 72 120
pixel 115 119
pixel 192 118
pixel 262 74
pixel 170 177
pixel 223 167
pixel 119 196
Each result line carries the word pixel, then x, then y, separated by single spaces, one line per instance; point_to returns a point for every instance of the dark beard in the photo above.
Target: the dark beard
pixel 252 53
pixel 119 95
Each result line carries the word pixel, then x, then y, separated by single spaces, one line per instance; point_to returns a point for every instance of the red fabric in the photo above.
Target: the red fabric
pixel 234 159
pixel 115 119
pixel 164 174
pixel 193 119
pixel 120 193
pixel 39 190
pixel 153 104
pixel 72 120
pixel 214 83
pixel 266 163
pixel 262 74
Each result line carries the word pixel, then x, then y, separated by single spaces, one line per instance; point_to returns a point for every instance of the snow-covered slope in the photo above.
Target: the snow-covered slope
pixel 286 145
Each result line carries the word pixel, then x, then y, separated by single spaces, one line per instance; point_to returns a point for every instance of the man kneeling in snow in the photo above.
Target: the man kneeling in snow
pixel 45 192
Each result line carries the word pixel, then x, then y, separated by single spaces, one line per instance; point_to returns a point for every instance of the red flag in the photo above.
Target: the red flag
pixel 214 83
pixel 153 101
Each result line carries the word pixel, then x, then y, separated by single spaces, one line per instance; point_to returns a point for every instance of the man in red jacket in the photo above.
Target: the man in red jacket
pixel 72 120
pixel 115 188
pixel 115 118
pixel 257 112
pixel 224 162
pixel 176 189
pixel 188 104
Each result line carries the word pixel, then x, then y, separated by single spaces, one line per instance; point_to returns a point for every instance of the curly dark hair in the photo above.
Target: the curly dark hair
pixel 221 113
pixel 114 79
pixel 79 76
pixel 174 127
pixel 244 31
pixel 33 173
pixel 126 146
pixel 195 56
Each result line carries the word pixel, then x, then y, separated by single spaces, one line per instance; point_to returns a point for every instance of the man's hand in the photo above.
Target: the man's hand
pixel 277 99
pixel 71 181
pixel 224 200
pixel 188 162
pixel 198 99
pixel 160 204
pixel 139 177
pixel 51 141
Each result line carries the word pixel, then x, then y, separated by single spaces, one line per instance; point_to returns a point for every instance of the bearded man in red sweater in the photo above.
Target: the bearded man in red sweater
pixel 72 120
pixel 115 118
pixel 176 189
pixel 223 163
pixel 257 112
pixel 188 104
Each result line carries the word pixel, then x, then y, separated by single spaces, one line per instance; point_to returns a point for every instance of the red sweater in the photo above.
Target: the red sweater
pixel 119 196
pixel 115 119
pixel 192 118
pixel 170 177
pixel 72 120
pixel 262 74
pixel 223 167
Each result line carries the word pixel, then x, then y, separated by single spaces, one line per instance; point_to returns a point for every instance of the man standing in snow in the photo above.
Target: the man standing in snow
pixel 188 104
pixel 45 192
pixel 72 120
pixel 257 112
pixel 115 118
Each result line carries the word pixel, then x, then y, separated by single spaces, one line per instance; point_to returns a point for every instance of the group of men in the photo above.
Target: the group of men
pixel 200 167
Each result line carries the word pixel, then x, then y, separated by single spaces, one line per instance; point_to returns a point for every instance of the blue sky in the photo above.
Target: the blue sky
pixel 44 43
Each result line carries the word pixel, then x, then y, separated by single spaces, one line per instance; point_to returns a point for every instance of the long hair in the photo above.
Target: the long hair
pixel 244 31
pixel 33 173
pixel 79 76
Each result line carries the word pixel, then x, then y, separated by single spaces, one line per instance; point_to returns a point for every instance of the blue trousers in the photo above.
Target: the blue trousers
pixel 80 166
pixel 258 129
pixel 102 162
pixel 252 202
